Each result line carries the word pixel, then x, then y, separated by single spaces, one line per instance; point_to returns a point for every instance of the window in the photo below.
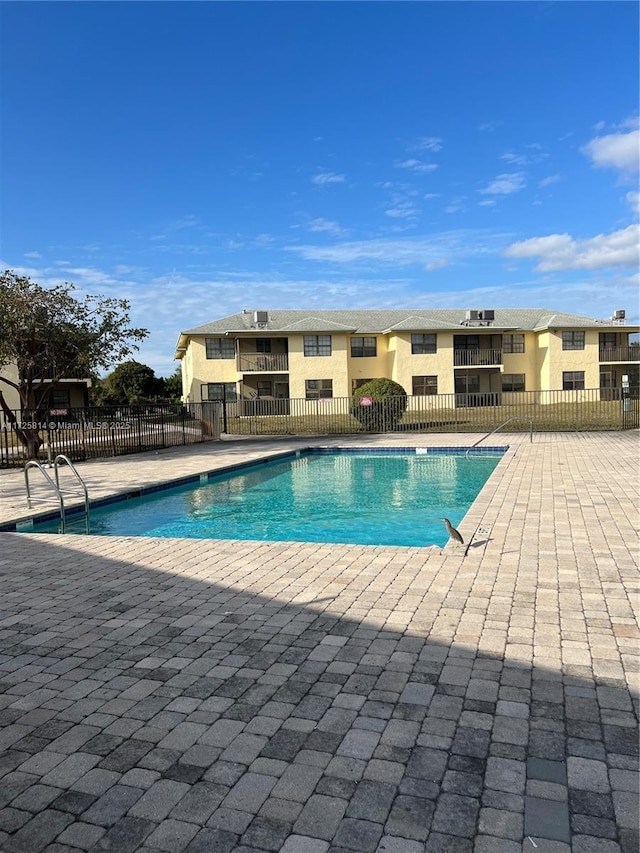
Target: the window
pixel 423 344
pixel 466 342
pixel 425 385
pixel 316 389
pixel 59 398
pixel 263 345
pixel 317 345
pixel 513 343
pixel 513 381
pixel 467 384
pixel 363 347
pixel 573 380
pixel 220 347
pixel 608 339
pixel 358 383
pixel 220 391
pixel 573 340
pixel 265 388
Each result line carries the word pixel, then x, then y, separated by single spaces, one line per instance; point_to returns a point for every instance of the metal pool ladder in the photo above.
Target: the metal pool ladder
pixel 60 459
pixel 495 429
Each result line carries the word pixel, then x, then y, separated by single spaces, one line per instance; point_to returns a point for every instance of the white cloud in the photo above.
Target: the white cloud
pixel 563 252
pixel 325 225
pixel 404 210
pixel 437 265
pixel 506 184
pixel 451 245
pixel 427 196
pixel 417 166
pixel 535 154
pixel 427 143
pixel 615 151
pixel 552 179
pixel 516 159
pixel 328 178
pixel 487 202
pixel 633 198
pixel 456 205
pixel 189 221
pixel 33 255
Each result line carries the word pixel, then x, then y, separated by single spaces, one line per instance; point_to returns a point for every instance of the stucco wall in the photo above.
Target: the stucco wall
pixel 558 360
pixel 10 394
pixel 302 367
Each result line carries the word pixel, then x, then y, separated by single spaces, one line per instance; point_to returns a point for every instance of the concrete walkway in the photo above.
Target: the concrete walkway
pixel 240 697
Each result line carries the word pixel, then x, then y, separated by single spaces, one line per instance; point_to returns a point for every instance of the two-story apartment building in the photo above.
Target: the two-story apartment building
pixel 321 354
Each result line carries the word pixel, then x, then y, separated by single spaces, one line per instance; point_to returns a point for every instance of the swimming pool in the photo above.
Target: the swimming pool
pixel 381 497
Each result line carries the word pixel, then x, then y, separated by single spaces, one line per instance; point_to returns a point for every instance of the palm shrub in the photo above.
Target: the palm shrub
pixel 389 402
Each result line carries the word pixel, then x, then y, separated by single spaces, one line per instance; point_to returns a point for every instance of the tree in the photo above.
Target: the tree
pixel 385 403
pixel 172 385
pixel 47 334
pixel 130 383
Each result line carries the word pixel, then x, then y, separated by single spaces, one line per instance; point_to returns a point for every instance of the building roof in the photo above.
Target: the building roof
pixel 384 321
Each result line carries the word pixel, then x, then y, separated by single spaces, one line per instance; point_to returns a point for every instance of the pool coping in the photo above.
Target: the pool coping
pixel 25 523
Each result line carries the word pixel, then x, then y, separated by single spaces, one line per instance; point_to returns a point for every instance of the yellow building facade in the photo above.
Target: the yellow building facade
pixel 486 353
pixel 66 394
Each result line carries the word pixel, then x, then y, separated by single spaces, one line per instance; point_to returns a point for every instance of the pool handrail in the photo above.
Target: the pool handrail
pixel 61 458
pixel 504 423
pixel 55 485
pixel 59 499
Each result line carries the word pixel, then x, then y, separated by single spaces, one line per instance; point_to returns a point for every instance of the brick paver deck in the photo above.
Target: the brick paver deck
pixel 241 697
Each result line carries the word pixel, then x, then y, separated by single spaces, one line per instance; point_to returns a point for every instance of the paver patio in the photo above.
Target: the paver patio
pixel 241 697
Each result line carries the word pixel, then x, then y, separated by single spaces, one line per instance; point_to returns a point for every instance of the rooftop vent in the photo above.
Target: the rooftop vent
pixel 261 318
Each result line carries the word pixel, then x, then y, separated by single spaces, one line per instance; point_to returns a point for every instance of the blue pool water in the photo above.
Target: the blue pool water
pixel 362 498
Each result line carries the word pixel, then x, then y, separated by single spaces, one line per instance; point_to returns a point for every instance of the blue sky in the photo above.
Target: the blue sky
pixel 202 158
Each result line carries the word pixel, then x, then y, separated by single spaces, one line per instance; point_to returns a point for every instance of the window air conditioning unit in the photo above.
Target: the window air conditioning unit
pixel 620 314
pixel 261 318
pixel 472 316
pixel 487 316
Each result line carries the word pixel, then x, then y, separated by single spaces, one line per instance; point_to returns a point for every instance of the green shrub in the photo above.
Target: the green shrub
pixel 389 402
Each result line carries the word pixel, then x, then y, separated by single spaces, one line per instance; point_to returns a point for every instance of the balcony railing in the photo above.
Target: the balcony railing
pixel 620 354
pixel 476 357
pixel 263 362
pixel 69 375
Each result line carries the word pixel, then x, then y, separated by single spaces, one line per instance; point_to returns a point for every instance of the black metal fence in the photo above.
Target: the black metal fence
pixel 592 409
pixel 89 433
pixel 113 431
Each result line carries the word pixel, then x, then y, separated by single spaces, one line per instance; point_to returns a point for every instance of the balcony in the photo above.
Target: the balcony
pixel 477 357
pixel 263 362
pixel 619 353
pixel 42 374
